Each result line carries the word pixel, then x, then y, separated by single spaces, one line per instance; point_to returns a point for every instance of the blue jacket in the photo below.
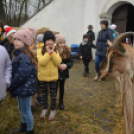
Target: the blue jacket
pixel 24 75
pixel 114 34
pixel 101 46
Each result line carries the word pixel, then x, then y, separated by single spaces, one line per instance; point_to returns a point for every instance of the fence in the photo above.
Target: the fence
pixel 127 92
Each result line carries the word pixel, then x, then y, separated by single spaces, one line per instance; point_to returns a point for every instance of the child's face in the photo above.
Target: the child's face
pixel 18 44
pixel 49 43
pixel 10 38
pixel 61 44
pixel 85 39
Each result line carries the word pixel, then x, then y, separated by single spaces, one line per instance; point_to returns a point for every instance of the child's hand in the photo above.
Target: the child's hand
pixel 62 67
pixel 48 49
pixel 53 47
pixel 81 57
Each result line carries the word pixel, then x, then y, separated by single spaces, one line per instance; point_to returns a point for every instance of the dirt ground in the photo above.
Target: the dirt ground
pixel 90 108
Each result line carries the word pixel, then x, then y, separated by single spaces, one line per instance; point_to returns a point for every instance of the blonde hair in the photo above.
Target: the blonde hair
pixel 66 52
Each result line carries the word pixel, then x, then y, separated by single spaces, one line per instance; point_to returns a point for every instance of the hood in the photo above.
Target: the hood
pixel 40 45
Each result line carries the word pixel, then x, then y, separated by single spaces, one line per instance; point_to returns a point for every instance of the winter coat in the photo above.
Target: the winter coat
pixel 65 74
pixel 24 75
pixel 101 45
pixel 9 47
pixel 47 65
pixel 86 50
pixel 5 72
pixel 91 37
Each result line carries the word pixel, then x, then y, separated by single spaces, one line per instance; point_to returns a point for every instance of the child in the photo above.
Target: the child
pixel 48 62
pixel 5 72
pixel 86 53
pixel 67 63
pixel 23 82
pixel 128 41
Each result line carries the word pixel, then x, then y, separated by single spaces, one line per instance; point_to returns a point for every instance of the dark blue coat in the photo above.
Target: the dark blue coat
pixel 24 75
pixel 101 46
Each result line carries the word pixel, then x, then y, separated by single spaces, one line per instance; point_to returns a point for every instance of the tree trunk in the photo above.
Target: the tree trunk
pixel 2 12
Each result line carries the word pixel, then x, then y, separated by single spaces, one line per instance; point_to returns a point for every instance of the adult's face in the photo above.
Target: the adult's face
pixel 103 26
pixel 10 38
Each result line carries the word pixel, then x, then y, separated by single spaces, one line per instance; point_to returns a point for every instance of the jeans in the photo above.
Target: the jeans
pixel 61 84
pixel 53 88
pixel 98 62
pixel 24 104
pixel 86 64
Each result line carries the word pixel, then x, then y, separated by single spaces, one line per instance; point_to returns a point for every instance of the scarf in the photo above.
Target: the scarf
pixel 84 43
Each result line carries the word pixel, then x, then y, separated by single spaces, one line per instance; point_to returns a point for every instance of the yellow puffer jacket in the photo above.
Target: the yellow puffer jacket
pixel 47 65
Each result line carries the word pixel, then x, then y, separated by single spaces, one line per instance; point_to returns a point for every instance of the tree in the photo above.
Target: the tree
pixel 2 12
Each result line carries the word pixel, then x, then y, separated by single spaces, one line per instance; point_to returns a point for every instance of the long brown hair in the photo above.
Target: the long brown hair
pixel 66 52
pixel 30 54
pixel 44 49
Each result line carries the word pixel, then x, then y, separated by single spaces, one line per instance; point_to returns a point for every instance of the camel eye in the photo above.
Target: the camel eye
pixel 112 57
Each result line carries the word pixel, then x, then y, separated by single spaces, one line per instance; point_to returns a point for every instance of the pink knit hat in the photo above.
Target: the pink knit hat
pixel 60 38
pixel 25 35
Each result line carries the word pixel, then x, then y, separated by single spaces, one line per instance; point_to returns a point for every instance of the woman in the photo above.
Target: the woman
pixel 104 36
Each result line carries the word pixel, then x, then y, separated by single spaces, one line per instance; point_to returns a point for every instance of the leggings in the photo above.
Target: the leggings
pixel 61 88
pixel 44 88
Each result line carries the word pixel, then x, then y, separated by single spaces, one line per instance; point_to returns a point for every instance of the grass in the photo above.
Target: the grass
pixel 90 108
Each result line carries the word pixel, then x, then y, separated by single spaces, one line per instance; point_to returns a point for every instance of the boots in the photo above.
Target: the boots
pixel 30 132
pixel 21 129
pixel 85 74
pixel 61 106
pixel 40 102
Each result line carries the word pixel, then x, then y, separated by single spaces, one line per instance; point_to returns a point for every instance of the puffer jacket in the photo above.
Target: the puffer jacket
pixel 5 72
pixel 24 75
pixel 101 45
pixel 47 64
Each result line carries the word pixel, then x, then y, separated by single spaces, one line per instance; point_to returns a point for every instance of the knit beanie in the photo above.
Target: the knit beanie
pixel 40 38
pixel 34 31
pixel 113 26
pixel 48 35
pixel 105 22
pixel 25 36
pixel 85 36
pixel 60 38
pixel 9 31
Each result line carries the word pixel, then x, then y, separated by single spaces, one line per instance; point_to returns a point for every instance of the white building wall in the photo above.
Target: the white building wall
pixel 71 17
pixel 63 16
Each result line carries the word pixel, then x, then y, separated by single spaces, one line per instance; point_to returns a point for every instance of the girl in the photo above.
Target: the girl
pixel 104 36
pixel 67 63
pixel 5 72
pixel 48 61
pixel 23 82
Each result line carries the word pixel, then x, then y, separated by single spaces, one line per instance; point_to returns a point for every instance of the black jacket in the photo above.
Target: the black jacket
pixel 65 74
pixel 9 47
pixel 91 37
pixel 86 50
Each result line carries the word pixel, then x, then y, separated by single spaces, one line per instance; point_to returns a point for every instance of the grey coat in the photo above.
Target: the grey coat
pixel 5 72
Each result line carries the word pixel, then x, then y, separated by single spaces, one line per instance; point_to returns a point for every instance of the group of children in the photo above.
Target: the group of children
pixel 50 68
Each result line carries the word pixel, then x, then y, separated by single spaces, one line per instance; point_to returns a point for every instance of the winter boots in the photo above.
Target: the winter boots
pixel 40 102
pixel 21 129
pixel 85 74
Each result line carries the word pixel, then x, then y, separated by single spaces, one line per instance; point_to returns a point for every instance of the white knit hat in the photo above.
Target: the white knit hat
pixel 113 26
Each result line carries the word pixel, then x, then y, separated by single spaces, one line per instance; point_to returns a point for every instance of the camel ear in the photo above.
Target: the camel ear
pixel 109 43
pixel 122 50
